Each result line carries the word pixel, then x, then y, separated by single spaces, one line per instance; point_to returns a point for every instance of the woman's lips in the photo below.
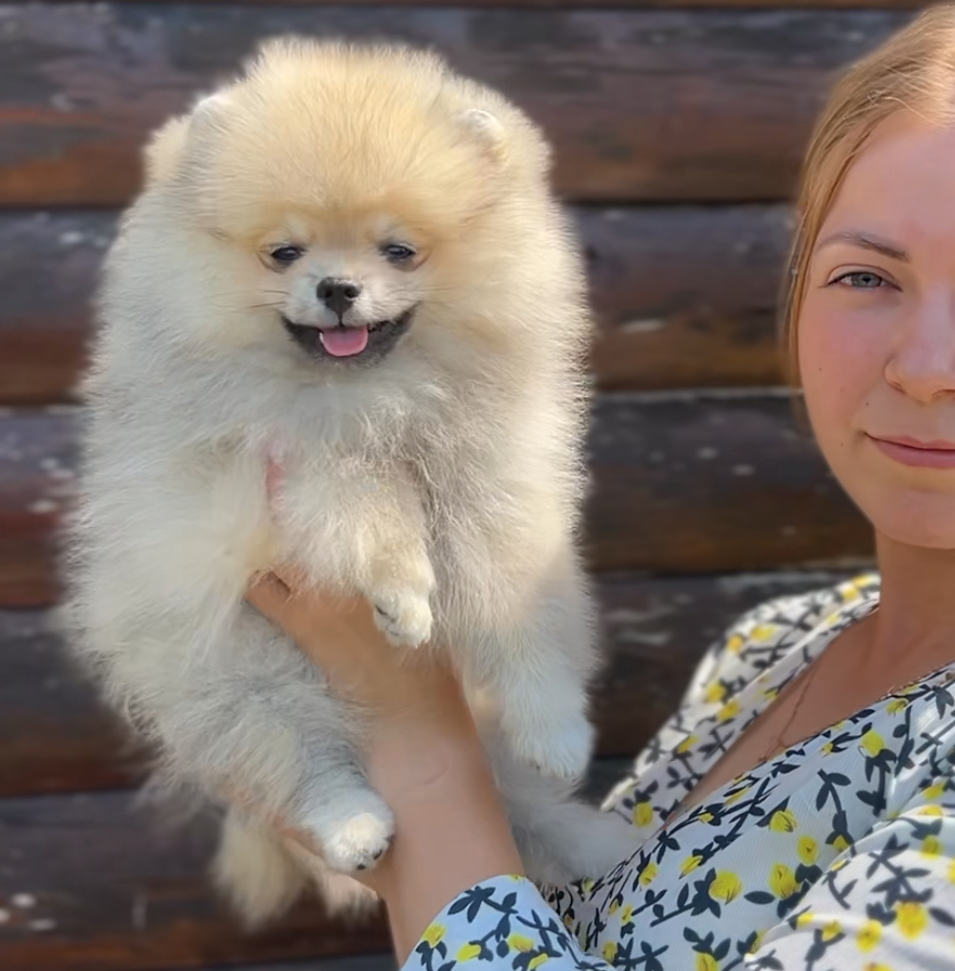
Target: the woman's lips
pixel 910 451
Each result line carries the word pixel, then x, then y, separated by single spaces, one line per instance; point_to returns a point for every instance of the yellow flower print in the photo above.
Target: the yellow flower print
pixel 686 744
pixel 872 743
pixel 587 884
pixel 706 817
pixel 614 906
pixel 609 951
pixel 828 748
pixel 783 821
pixel 468 952
pixel 520 943
pixel 931 846
pixel 934 791
pixel 735 644
pixel 951 872
pixel 643 813
pixel 728 711
pixel 715 692
pixel 626 915
pixel 536 962
pixel 433 934
pixel 690 864
pixel 869 935
pixel 763 632
pixel 648 875
pixel 911 918
pixel 808 850
pixel 929 811
pixel 896 705
pixel 736 796
pixel 831 931
pixel 840 843
pixel 568 920
pixel 726 886
pixel 805 918
pixel 782 881
pixel 770 693
pixel 872 966
pixel 706 962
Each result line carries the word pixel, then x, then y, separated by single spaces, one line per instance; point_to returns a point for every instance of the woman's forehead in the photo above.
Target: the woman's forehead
pixel 901 187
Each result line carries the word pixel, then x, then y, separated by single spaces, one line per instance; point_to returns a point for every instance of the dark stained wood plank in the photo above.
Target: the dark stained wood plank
pixel 57 737
pixel 601 4
pixel 712 482
pixel 110 891
pixel 641 104
pixel 682 483
pixel 685 295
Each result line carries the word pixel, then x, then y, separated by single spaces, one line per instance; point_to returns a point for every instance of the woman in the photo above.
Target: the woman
pixel 799 809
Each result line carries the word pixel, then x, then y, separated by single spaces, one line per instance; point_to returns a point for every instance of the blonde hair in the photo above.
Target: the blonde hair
pixel 913 70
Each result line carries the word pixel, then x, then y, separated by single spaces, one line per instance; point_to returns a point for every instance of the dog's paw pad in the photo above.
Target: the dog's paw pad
pixel 358 842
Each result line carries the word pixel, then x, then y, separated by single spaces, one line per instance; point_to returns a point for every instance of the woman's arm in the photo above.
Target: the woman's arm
pixel 422 750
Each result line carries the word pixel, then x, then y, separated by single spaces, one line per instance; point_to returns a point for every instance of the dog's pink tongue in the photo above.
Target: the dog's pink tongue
pixel 345 341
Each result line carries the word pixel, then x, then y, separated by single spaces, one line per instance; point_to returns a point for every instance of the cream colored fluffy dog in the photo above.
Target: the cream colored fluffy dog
pixel 352 256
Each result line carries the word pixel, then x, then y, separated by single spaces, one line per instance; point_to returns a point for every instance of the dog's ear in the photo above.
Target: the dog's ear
pixel 166 153
pixel 209 114
pixel 487 130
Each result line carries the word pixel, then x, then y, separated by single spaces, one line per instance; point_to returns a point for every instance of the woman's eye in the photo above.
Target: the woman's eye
pixel 286 254
pixel 397 252
pixel 861 280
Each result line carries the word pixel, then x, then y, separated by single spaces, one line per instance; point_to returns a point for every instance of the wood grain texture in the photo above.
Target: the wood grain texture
pixel 113 891
pixel 640 104
pixel 684 296
pixel 57 737
pixel 680 484
pixel 601 4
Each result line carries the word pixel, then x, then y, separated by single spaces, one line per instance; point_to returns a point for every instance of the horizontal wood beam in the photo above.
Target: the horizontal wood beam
pixel 685 296
pixel 641 104
pixel 682 483
pixel 57 737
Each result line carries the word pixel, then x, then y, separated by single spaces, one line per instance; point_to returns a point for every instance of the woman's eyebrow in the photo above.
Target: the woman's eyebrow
pixel 867 241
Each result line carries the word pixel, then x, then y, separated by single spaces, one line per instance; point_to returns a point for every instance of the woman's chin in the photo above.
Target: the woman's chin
pixel 914 518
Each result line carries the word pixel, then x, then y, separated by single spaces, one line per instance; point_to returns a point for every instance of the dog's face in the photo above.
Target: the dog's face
pixel 345 290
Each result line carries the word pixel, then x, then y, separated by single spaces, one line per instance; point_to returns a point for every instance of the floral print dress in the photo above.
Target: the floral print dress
pixel 839 853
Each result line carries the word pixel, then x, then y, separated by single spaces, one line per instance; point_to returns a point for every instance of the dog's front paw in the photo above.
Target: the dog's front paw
pixel 560 749
pixel 356 840
pixel 404 616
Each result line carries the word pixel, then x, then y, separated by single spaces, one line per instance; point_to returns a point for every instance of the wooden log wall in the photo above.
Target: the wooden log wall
pixel 678 131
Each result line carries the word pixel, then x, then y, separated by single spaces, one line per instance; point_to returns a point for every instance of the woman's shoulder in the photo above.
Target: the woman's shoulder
pixel 764 634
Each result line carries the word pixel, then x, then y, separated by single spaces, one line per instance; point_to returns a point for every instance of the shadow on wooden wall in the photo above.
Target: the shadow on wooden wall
pixel 678 134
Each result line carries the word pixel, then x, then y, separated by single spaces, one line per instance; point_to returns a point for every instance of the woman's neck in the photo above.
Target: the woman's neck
pixel 914 626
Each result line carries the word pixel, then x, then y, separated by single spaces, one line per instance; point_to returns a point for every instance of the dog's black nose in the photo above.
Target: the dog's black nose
pixel 337 294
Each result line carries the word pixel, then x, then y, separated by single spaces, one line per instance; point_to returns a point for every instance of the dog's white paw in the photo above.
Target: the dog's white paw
pixel 404 616
pixel 561 749
pixel 355 842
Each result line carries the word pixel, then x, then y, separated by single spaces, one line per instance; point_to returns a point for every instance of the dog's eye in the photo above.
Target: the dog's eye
pixel 286 254
pixel 397 252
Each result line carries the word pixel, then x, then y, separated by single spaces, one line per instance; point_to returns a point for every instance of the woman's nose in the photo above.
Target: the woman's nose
pixel 922 364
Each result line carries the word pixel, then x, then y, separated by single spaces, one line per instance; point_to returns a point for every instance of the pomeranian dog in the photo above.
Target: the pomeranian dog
pixel 349 256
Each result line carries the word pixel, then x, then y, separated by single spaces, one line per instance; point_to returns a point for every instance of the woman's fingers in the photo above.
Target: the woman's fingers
pixel 270 596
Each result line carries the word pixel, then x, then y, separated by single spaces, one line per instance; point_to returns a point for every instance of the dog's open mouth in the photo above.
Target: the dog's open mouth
pixel 345 343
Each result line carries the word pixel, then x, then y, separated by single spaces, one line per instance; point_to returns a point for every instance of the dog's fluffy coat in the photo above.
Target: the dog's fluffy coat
pixel 441 480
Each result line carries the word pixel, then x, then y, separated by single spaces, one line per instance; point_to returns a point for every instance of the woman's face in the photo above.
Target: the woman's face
pixel 876 333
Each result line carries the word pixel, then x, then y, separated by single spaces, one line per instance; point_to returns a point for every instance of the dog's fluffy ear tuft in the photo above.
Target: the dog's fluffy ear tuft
pixel 167 149
pixel 488 130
